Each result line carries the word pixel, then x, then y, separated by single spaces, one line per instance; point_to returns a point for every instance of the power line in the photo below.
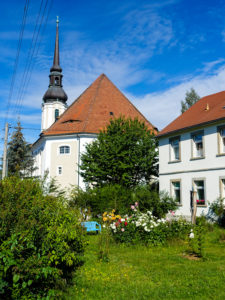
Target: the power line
pixel 26 6
pixel 29 58
pixel 35 53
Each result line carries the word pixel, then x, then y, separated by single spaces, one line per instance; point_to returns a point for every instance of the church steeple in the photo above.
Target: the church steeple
pixel 54 100
pixel 55 91
pixel 56 67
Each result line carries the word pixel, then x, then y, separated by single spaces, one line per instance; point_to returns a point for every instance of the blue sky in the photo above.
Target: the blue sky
pixel 154 51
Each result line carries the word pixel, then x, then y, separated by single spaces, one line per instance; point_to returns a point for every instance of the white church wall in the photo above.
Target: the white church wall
pixel 48 113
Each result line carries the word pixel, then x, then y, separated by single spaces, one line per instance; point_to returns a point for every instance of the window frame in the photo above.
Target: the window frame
pixel 219 140
pixel 59 173
pixel 221 188
pixel 172 194
pixel 193 145
pixel 171 149
pixel 194 187
pixel 64 153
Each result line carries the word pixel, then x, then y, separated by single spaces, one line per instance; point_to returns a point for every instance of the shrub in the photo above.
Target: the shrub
pixel 148 229
pixel 40 241
pixel 120 198
pixel 217 211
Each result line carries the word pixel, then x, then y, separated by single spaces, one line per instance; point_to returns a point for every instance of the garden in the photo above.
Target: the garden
pixel 140 249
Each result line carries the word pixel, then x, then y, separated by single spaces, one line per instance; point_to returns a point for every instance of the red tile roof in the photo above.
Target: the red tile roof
pixel 93 109
pixel 208 109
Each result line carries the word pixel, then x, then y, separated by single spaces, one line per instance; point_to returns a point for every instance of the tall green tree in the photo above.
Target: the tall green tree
pixel 191 97
pixel 124 153
pixel 20 160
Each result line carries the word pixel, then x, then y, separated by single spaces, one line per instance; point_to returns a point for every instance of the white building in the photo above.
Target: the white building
pixel 66 131
pixel 192 154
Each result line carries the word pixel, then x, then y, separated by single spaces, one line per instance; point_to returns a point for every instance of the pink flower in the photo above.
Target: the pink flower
pixel 122 229
pixel 132 207
pixel 136 204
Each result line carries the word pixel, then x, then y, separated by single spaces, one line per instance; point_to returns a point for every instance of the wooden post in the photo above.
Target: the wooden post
pixel 4 167
pixel 194 208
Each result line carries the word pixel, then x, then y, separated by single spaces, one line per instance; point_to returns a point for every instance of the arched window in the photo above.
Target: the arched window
pixel 57 80
pixel 56 114
pixel 64 149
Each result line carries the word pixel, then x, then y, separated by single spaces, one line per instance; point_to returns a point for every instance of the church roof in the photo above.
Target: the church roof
pixel 207 110
pixel 94 108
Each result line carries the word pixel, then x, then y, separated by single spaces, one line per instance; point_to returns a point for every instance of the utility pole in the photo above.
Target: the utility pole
pixel 4 168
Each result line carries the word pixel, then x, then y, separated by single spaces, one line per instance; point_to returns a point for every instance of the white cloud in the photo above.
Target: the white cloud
pixel 163 107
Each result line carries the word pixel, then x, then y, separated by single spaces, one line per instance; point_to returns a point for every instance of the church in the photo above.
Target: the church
pixel 65 131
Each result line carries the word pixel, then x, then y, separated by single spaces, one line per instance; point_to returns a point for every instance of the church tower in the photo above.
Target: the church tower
pixel 54 100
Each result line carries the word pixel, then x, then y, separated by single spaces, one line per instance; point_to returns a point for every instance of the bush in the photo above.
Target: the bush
pixel 217 211
pixel 120 198
pixel 40 241
pixel 148 229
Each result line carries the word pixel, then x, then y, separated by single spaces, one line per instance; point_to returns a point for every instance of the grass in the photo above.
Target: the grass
pixel 139 272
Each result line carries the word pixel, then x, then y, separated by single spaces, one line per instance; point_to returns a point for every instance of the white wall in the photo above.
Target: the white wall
pixel 48 113
pixel 210 168
pixel 47 157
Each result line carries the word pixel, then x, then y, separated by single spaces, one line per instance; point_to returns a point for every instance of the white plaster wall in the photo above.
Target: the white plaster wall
pixel 48 113
pixel 47 158
pixel 211 168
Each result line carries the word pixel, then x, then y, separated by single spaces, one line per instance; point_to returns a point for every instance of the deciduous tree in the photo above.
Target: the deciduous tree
pixel 191 98
pixel 124 153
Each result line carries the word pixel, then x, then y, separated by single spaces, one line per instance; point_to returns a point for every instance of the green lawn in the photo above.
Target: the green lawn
pixel 139 272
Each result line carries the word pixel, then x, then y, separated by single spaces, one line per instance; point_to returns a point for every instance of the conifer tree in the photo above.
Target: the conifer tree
pixel 20 160
pixel 191 98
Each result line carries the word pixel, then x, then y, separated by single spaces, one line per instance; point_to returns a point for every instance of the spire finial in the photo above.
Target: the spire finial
pixel 56 66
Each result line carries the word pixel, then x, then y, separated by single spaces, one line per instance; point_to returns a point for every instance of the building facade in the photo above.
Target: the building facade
pixel 192 155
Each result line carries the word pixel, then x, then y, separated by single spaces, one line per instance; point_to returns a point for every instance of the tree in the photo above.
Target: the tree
pixel 20 160
pixel 124 153
pixel 191 97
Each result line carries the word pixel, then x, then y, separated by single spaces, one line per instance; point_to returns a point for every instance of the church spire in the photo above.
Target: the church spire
pixel 56 66
pixel 55 91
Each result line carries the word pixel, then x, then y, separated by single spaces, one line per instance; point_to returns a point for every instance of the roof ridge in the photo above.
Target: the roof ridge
pixel 131 103
pixel 92 103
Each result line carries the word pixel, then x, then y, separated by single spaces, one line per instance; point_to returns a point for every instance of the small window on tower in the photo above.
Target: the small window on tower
pixel 56 114
pixel 57 80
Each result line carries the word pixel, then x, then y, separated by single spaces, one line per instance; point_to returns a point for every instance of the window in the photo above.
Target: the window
pixel 57 80
pixel 175 149
pixel 56 114
pixel 197 150
pixel 222 187
pixel 221 136
pixel 59 170
pixel 64 149
pixel 176 190
pixel 199 187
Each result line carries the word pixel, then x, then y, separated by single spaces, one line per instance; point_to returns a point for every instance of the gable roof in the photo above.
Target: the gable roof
pixel 94 108
pixel 206 110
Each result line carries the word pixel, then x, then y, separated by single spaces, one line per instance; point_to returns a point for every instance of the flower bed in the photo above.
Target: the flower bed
pixel 146 228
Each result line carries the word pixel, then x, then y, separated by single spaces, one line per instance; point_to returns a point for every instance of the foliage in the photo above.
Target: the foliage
pixel 40 241
pixel 120 198
pixel 124 153
pixel 146 228
pixel 217 211
pixel 20 160
pixel 197 239
pixel 191 98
